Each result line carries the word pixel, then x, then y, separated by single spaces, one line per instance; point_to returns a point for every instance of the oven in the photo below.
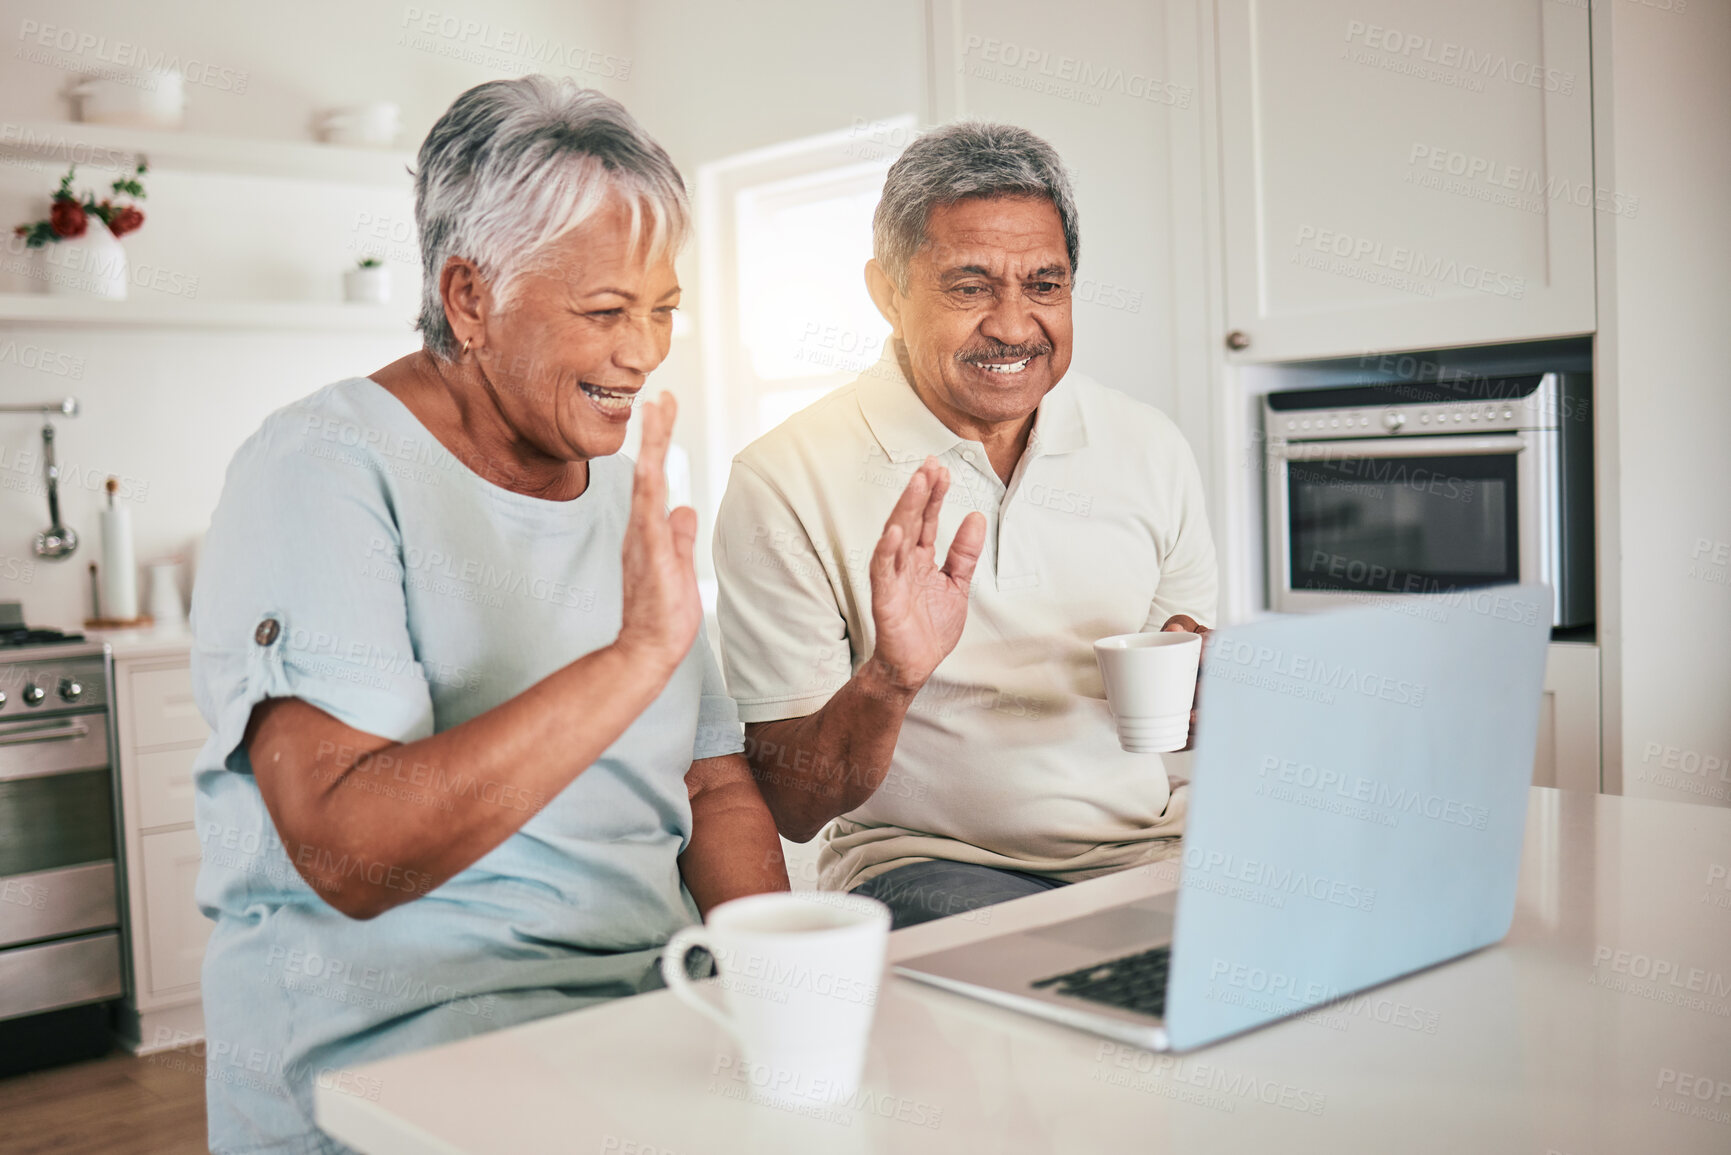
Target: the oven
pixel 60 942
pixel 1410 488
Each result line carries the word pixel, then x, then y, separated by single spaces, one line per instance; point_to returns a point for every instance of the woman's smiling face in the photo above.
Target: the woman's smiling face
pixel 586 322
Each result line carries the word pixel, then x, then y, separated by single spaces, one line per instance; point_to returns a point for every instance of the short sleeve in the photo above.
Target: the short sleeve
pixel 784 641
pixel 300 591
pixel 718 732
pixel 1189 574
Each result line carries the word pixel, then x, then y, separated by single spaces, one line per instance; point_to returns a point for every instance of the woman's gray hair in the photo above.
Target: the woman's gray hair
pixel 516 164
pixel 959 162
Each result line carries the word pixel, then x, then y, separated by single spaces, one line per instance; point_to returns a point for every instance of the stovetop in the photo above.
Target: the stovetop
pixel 17 637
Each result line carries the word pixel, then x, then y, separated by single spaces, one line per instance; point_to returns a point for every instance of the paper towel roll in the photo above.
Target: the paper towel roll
pixel 119 576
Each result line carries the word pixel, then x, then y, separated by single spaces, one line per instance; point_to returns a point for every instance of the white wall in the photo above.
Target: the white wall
pixel 717 80
pixel 164 409
pixel 164 412
pixel 1662 108
pixel 273 65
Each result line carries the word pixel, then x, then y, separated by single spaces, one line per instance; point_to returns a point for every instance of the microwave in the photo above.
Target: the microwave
pixel 1431 487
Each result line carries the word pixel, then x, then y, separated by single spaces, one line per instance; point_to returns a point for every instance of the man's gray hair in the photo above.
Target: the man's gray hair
pixel 516 164
pixel 958 162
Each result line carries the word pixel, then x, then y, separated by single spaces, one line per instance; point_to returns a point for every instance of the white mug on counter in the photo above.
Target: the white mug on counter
pixel 1150 687
pixel 799 976
pixel 165 605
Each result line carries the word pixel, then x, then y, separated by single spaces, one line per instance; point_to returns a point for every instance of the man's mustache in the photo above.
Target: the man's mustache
pixel 1001 352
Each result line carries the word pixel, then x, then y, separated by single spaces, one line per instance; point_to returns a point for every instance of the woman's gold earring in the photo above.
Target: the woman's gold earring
pixel 466 341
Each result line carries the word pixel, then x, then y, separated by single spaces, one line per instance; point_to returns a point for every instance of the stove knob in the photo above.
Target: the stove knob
pixel 70 690
pixel 33 694
pixel 1393 421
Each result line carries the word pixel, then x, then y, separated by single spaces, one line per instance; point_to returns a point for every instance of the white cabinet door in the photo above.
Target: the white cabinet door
pixel 165 786
pixel 163 708
pixel 175 930
pixel 1568 748
pixel 1403 174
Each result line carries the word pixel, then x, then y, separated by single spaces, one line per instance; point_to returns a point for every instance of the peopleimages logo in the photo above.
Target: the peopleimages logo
pixel 1274 984
pixel 813 1097
pixel 1450 55
pixel 335 978
pixel 1284 879
pixel 83 49
pixel 1333 462
pixel 1357 788
pixel 1403 267
pixel 1695 980
pixel 1497 182
pixel 1266 660
pixel 1070 77
pixel 1117 1064
pixel 1695 1095
pixel 30 356
pixel 783 977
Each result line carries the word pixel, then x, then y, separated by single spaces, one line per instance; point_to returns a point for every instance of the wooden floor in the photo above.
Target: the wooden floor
pixel 118 1105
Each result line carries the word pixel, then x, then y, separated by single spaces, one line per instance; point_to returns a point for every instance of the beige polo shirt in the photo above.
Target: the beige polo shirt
pixel 1008 757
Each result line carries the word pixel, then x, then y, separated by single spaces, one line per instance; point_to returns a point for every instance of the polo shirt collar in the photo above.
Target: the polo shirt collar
pixel 908 431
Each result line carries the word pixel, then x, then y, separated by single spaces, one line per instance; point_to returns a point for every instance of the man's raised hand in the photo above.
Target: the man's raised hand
pixel 919 607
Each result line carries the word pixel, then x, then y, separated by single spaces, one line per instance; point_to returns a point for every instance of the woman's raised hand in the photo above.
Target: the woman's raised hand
pixel 662 612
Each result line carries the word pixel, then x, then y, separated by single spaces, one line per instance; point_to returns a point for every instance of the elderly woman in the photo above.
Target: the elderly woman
pixel 472 762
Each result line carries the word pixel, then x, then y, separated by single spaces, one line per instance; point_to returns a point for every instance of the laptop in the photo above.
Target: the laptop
pixel 1356 814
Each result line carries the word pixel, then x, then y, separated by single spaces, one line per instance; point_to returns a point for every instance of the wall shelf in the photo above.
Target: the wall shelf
pixel 21 309
pixel 111 146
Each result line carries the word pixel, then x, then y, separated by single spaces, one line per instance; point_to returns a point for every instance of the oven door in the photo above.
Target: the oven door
pixel 59 895
pixel 1380 516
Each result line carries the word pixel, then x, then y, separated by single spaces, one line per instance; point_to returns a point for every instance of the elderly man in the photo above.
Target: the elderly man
pixel 913 570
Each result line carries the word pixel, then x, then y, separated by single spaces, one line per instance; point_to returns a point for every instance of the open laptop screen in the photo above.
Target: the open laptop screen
pixel 1359 799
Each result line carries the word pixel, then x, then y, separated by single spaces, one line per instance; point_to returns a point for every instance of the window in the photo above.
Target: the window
pixel 785 233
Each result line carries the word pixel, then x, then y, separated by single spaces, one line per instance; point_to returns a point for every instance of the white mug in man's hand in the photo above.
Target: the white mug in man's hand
pixel 1150 686
pixel 799 975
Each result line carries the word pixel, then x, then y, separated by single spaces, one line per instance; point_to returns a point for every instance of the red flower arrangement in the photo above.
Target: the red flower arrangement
pixel 69 214
pixel 67 219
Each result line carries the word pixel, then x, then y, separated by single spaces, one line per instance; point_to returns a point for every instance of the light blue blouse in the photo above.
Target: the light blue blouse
pixel 356 564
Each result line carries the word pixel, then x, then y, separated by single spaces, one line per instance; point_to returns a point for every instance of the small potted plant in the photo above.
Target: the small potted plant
pixel 368 282
pixel 76 259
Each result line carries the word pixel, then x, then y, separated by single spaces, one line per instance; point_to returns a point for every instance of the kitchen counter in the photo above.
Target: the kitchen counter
pixel 1602 1024
pixel 156 642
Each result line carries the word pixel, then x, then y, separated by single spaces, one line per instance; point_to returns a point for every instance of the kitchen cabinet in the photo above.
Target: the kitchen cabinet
pixel 175 930
pixel 158 734
pixel 1567 755
pixel 1405 175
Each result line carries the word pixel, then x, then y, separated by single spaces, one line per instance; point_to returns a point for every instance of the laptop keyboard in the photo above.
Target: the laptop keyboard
pixel 1136 982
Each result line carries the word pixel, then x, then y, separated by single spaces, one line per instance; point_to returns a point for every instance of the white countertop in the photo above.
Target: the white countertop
pixel 1556 1042
pixel 156 642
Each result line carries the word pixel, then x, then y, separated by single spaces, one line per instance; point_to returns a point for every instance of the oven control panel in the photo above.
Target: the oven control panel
pixel 46 685
pixel 1452 417
pixel 1501 405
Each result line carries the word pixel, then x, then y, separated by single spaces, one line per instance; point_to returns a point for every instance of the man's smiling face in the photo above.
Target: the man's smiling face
pixel 986 315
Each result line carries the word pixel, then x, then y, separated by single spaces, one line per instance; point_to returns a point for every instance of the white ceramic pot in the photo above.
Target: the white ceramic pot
pixel 361 126
pixel 93 265
pixel 369 286
pixel 136 97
